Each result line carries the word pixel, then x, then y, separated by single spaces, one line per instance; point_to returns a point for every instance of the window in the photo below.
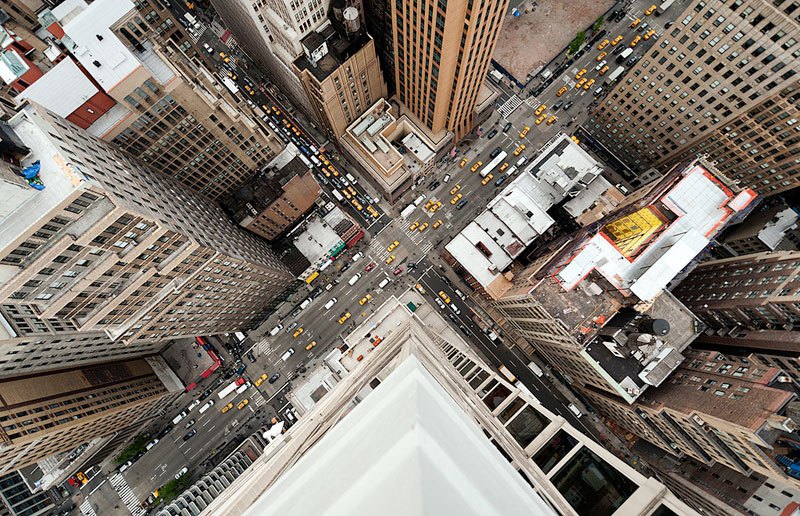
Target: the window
pixel 527 425
pixel 591 485
pixel 556 449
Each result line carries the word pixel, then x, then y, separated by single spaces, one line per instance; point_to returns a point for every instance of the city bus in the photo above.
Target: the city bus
pixel 489 168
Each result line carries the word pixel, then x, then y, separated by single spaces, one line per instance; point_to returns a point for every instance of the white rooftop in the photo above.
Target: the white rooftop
pixel 518 215
pixel 50 91
pixel 317 239
pixel 773 232
pixel 115 60
pixel 702 206
pixel 407 449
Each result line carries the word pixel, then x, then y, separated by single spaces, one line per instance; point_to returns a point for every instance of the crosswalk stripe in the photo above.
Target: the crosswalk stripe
pixel 509 106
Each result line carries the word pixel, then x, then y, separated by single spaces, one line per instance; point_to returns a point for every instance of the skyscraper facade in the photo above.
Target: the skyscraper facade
pixel 442 51
pixel 110 254
pixel 722 81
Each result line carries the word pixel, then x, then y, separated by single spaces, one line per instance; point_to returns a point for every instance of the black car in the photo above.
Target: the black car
pixel 345 267
pixel 500 180
pixel 632 61
pixel 315 293
pixel 434 185
pixel 274 377
pixel 558 105
pixel 461 204
pixel 251 357
pixel 191 433
pixel 507 127
pixel 492 134
pixel 495 152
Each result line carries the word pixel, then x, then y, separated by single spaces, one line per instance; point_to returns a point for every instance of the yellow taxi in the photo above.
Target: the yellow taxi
pixel 311 345
pixel 390 259
pixel 580 74
pixel 344 317
pixel 603 70
pixel 242 404
pixel 603 44
pixel 503 167
pixel 299 331
pixel 423 227
pixel 601 56
pixel 356 205
pixel 393 246
pixel 456 198
pixel 226 408
pixel 635 41
pixel 261 379
pixel 372 211
pixel 437 223
pixel 364 300
pixel 541 119
pixel 435 207
pixel 588 84
pixel 551 120
pixel 346 193
pixel 486 179
pixel 649 34
pixel 650 10
pixel 476 166
pixel 540 110
pixel 351 190
pixel 561 91
pixel 524 132
pixel 414 225
pixel 519 150
pixel 444 296
pixel 455 189
pixel 579 84
pixel 463 162
pixel 616 40
pixel 635 22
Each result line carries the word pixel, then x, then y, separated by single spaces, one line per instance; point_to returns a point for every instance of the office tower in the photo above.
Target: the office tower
pixel 133 84
pixel 597 307
pixel 410 409
pixel 340 72
pixel 772 228
pixel 47 413
pixel 102 258
pixel 752 292
pixel 717 409
pixel 722 82
pixel 442 51
pixel 277 197
pixel 18 498
pixel 271 33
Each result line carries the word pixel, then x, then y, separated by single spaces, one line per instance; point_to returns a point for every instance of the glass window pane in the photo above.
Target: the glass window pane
pixel 527 425
pixel 555 450
pixel 511 409
pixel 497 396
pixel 591 485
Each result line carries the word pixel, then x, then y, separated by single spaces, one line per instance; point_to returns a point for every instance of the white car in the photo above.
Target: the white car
pixel 601 64
pixel 358 256
pixel 182 472
pixel 193 404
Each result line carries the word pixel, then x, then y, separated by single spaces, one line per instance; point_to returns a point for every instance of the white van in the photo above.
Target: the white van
pixel 351 178
pixel 521 161
pixel 454 308
pixel 239 336
pixel 358 256
pixel 575 410
pixel 533 366
pixel 206 406
pixel 384 282
pixel 354 279
pixel 274 331
pixel 289 352
pixel 330 303
pixel 305 303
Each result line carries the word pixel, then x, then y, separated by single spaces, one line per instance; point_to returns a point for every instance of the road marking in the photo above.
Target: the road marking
pixel 96 488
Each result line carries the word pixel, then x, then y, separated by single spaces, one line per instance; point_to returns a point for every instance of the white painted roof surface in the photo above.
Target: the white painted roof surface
pixel 474 261
pixel 50 91
pixel 773 232
pixel 407 449
pixel 116 61
pixel 701 205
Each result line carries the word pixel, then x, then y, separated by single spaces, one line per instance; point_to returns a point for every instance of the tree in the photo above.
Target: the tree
pixel 576 43
pixel 137 446
pixel 598 23
pixel 173 489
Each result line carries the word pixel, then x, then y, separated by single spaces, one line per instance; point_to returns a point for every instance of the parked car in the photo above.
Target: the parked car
pixel 274 377
pixel 492 134
pixel 191 433
pixel 182 472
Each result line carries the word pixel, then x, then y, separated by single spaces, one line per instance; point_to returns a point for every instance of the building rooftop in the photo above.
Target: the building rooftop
pixel 518 215
pixel 49 90
pixel 641 252
pixel 327 48
pixel 98 49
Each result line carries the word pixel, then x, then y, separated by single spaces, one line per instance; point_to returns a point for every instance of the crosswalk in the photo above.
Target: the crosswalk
pixel 533 102
pixel 509 106
pixel 195 35
pixel 259 400
pixel 126 494
pixel 87 509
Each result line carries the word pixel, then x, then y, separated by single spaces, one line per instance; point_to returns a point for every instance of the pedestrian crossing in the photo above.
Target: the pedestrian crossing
pixel 259 400
pixel 126 494
pixel 533 102
pixel 509 106
pixel 87 509
pixel 264 347
pixel 195 35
